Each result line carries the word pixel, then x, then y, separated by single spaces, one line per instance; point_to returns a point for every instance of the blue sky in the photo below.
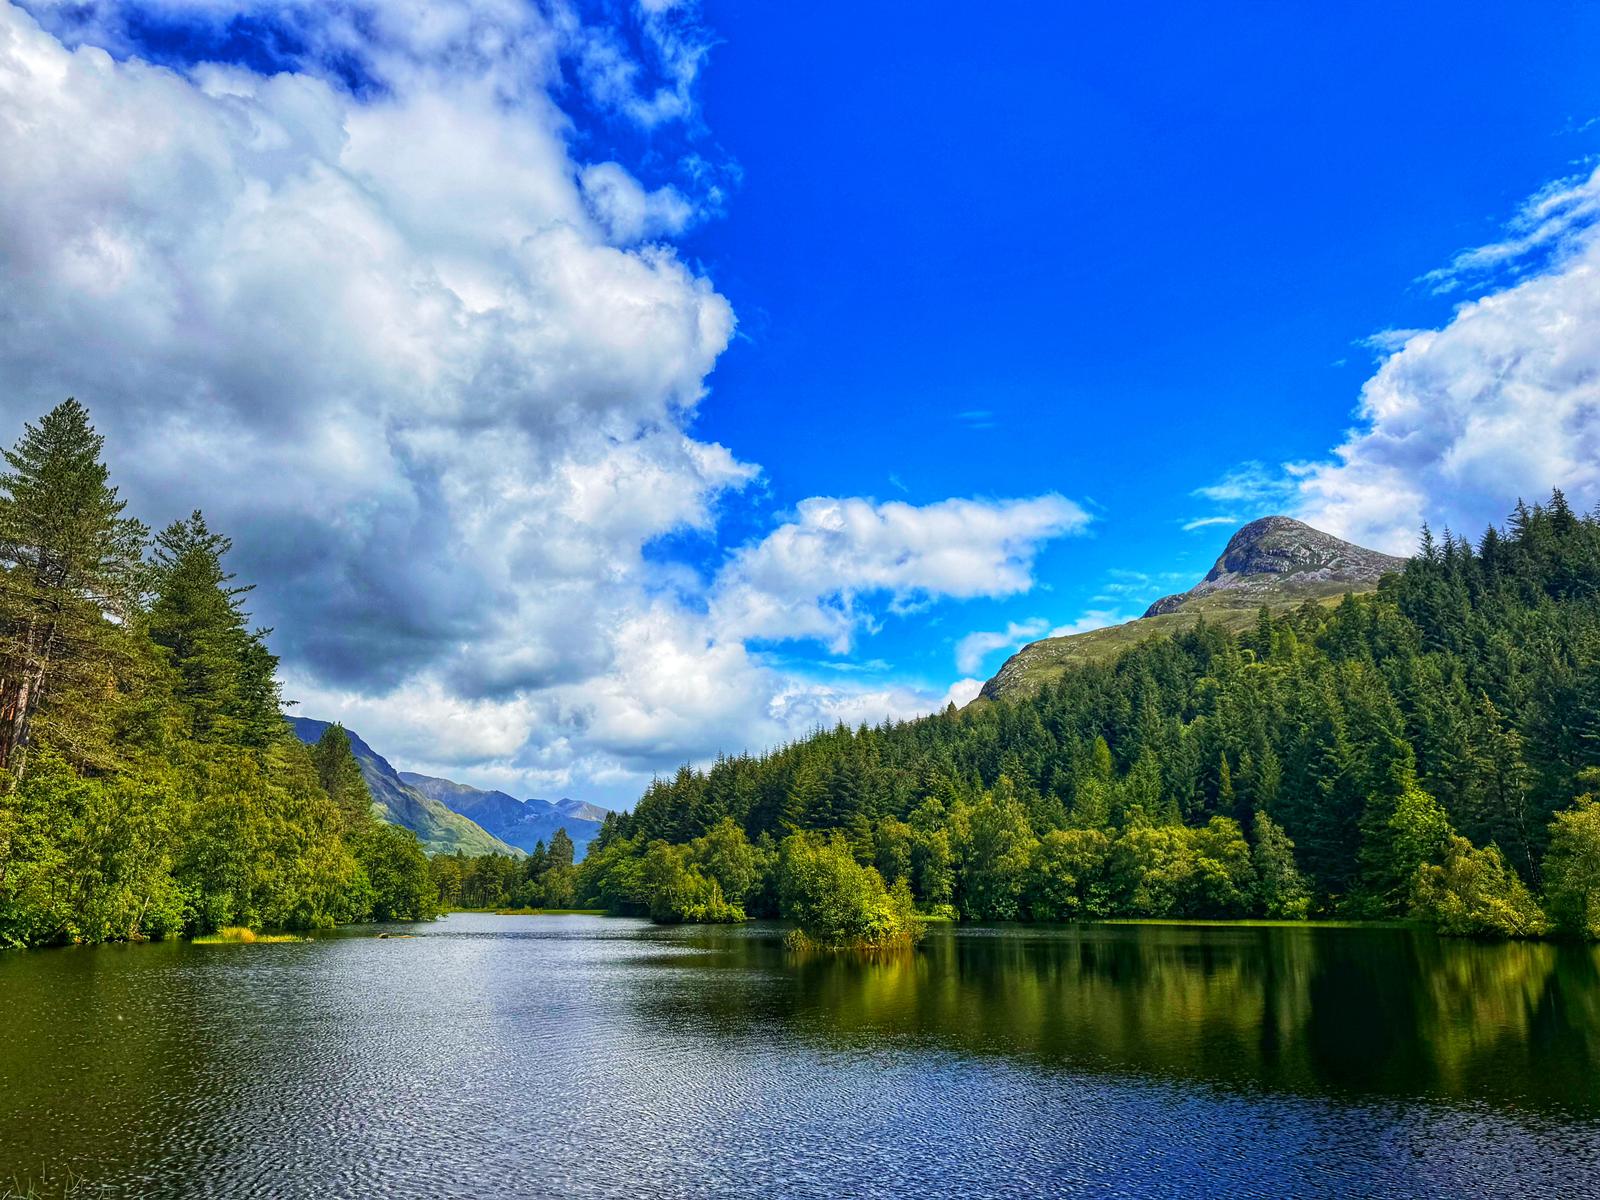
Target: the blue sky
pixel 1147 247
pixel 590 389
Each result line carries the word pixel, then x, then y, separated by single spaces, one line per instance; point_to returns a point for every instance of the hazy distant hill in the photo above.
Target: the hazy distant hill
pixel 1275 561
pixel 522 823
pixel 441 829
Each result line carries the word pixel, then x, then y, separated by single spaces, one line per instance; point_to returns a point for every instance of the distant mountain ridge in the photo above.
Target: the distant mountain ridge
pixel 441 829
pixel 522 823
pixel 1274 561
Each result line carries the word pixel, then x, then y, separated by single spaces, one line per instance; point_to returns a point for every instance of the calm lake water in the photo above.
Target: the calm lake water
pixel 578 1056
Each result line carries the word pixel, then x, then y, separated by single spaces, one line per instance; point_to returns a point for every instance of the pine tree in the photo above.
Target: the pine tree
pixel 1503 815
pixel 69 560
pixel 226 677
pixel 340 776
pixel 561 848
pixel 804 797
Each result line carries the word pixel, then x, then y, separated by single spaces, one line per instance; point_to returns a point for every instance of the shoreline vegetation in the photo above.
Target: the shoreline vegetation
pixel 149 784
pixel 239 935
pixel 929 919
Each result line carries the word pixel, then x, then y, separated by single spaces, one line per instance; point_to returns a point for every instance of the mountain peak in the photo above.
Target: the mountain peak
pixel 1268 550
pixel 1276 561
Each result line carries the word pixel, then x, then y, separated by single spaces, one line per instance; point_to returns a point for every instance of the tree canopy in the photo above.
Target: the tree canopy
pixel 148 782
pixel 1418 751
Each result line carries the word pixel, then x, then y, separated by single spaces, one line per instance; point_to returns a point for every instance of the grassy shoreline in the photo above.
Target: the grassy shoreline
pixel 1260 922
pixel 238 935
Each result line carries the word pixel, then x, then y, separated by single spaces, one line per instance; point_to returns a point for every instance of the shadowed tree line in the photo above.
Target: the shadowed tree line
pixel 149 785
pixel 1431 750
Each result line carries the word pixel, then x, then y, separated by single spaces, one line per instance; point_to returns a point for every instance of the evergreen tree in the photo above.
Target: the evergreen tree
pixel 804 799
pixel 69 559
pixel 165 794
pixel 226 677
pixel 340 776
pixel 1283 890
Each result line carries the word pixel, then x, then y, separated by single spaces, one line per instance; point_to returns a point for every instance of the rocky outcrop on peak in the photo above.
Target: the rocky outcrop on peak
pixel 1265 554
pixel 1277 562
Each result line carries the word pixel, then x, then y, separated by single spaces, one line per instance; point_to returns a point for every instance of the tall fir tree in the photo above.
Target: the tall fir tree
pixel 71 566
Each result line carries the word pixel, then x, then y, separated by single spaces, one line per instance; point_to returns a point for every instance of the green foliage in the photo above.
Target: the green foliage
pixel 1067 876
pixel 837 903
pixel 932 860
pixel 1473 893
pixel 224 678
pixel 339 775
pixel 726 857
pixel 1572 867
pixel 151 786
pixel 93 862
pixel 69 560
pixel 993 845
pixel 677 890
pixel 1281 887
pixel 397 873
pixel 545 879
pixel 1224 882
pixel 1356 738
pixel 1417 831
pixel 1175 871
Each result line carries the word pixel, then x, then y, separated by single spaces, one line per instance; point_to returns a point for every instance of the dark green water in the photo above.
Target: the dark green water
pixel 576 1056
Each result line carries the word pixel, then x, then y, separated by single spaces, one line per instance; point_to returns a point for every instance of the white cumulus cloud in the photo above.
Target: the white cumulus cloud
pixel 1502 402
pixel 437 376
pixel 972 649
pixel 805 579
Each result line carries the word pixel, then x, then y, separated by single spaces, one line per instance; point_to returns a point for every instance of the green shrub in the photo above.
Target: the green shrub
pixel 1572 868
pixel 837 903
pixel 1475 894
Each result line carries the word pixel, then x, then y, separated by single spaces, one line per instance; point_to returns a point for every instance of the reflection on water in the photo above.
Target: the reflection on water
pixel 1316 1011
pixel 568 1055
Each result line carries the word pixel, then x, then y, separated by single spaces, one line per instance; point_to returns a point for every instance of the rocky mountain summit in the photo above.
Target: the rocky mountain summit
pixel 1267 554
pixel 1275 561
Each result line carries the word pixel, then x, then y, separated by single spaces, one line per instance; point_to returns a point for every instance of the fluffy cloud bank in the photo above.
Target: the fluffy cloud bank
pixel 1502 402
pixel 437 375
pixel 853 547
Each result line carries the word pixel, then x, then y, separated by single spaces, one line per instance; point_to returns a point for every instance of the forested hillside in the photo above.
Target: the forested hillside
pixel 1273 562
pixel 148 782
pixel 1428 750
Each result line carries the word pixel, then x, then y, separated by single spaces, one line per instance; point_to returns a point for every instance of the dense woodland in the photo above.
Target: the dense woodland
pixel 149 785
pixel 1430 750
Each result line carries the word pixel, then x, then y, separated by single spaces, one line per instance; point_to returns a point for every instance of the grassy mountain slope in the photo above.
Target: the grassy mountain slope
pixel 522 823
pixel 1276 561
pixel 441 830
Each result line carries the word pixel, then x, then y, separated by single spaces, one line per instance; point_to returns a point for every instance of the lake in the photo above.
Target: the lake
pixel 581 1056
